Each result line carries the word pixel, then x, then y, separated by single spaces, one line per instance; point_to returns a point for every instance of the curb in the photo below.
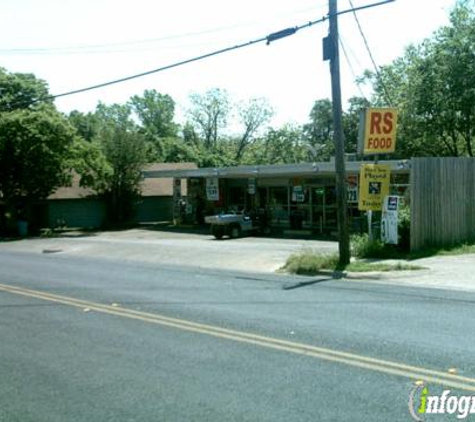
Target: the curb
pixel 372 275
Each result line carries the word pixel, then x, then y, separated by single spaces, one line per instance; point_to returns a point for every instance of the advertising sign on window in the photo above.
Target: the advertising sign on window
pixel 212 189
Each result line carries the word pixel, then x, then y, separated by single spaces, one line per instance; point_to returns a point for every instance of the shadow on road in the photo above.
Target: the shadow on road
pixel 306 283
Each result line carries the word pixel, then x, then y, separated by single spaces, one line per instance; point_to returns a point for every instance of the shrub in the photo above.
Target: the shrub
pixel 362 247
pixel 404 227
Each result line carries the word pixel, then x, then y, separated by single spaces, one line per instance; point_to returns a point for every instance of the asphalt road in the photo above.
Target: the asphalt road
pixel 93 339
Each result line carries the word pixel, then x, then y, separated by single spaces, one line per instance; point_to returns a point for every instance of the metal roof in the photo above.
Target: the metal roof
pixel 278 170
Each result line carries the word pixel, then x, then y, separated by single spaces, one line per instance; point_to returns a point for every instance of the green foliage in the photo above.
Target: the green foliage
pixel 35 154
pixel 404 227
pixel 86 124
pixel 253 115
pixel 318 133
pixel 362 247
pixel 21 91
pixel 279 146
pixel 155 112
pixel 125 154
pixel 112 161
pixel 209 114
pixel 432 85
pixel 308 262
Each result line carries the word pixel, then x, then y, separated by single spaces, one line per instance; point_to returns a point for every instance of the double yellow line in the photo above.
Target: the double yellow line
pixel 379 365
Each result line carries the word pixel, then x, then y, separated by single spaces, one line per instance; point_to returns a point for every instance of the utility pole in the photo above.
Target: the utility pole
pixel 331 52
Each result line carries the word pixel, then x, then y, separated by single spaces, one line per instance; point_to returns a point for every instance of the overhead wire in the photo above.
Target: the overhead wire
pixel 368 49
pixel 268 39
pixel 355 77
pixel 115 47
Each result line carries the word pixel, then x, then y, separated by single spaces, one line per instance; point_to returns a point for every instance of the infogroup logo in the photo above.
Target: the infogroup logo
pixel 422 403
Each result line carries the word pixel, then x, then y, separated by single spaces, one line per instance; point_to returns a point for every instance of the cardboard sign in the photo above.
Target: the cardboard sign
pixel 374 186
pixel 378 131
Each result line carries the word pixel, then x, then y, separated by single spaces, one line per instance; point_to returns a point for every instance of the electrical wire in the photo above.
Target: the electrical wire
pixel 368 49
pixel 115 47
pixel 268 39
pixel 351 67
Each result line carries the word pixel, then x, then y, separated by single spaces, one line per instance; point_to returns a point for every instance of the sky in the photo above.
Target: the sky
pixel 73 44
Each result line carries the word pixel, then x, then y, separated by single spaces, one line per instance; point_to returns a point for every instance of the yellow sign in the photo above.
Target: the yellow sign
pixel 379 131
pixel 374 186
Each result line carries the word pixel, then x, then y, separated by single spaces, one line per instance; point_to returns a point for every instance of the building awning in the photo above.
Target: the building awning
pixel 278 170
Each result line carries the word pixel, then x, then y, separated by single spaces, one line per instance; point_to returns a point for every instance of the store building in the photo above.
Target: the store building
pixel 295 197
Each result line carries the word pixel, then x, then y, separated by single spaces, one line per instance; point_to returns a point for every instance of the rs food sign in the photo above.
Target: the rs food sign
pixel 378 131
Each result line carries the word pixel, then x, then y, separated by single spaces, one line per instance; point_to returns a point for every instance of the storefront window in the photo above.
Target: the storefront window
pixel 278 205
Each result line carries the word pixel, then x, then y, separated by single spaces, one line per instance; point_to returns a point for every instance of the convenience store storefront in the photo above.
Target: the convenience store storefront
pixel 295 197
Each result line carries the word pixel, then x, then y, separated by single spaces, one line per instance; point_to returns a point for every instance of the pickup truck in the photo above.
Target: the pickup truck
pixel 234 225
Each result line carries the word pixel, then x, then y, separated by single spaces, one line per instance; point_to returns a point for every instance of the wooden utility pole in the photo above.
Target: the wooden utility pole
pixel 332 54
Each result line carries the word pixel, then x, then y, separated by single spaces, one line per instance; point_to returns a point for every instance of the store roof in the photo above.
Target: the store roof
pixel 149 187
pixel 278 170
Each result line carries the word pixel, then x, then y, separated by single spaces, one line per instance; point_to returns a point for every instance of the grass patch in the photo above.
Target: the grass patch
pixel 465 248
pixel 360 266
pixel 362 247
pixel 308 262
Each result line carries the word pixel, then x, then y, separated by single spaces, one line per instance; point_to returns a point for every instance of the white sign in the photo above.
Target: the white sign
pixel 298 195
pixel 389 220
pixel 212 189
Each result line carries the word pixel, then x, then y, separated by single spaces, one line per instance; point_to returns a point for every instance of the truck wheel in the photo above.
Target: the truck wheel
pixel 218 232
pixel 235 232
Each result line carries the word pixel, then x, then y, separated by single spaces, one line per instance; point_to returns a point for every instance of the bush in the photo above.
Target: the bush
pixel 362 247
pixel 404 228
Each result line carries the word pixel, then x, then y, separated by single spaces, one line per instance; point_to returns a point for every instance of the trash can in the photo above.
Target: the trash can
pixel 22 228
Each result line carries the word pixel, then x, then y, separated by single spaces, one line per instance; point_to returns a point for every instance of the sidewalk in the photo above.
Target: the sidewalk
pixel 456 272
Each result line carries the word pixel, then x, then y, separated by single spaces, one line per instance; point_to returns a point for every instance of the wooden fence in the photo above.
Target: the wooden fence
pixel 442 201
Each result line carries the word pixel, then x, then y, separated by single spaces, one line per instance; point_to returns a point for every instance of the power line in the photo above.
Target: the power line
pixel 111 47
pixel 351 66
pixel 368 49
pixel 268 39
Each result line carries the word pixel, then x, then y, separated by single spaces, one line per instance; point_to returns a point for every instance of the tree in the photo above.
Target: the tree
pixel 156 113
pixel 86 124
pixel 209 113
pixel 112 165
pixel 283 145
pixel 318 132
pixel 253 115
pixel 351 122
pixel 35 144
pixel 22 91
pixel 432 85
pixel 125 153
pixel 35 156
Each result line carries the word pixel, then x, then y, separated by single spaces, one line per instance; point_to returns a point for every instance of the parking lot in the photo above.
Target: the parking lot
pixel 173 247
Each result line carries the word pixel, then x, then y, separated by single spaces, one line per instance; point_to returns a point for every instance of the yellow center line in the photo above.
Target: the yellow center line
pixel 332 355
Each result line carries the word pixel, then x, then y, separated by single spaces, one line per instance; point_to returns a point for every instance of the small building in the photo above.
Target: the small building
pixel 296 197
pixel 75 206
